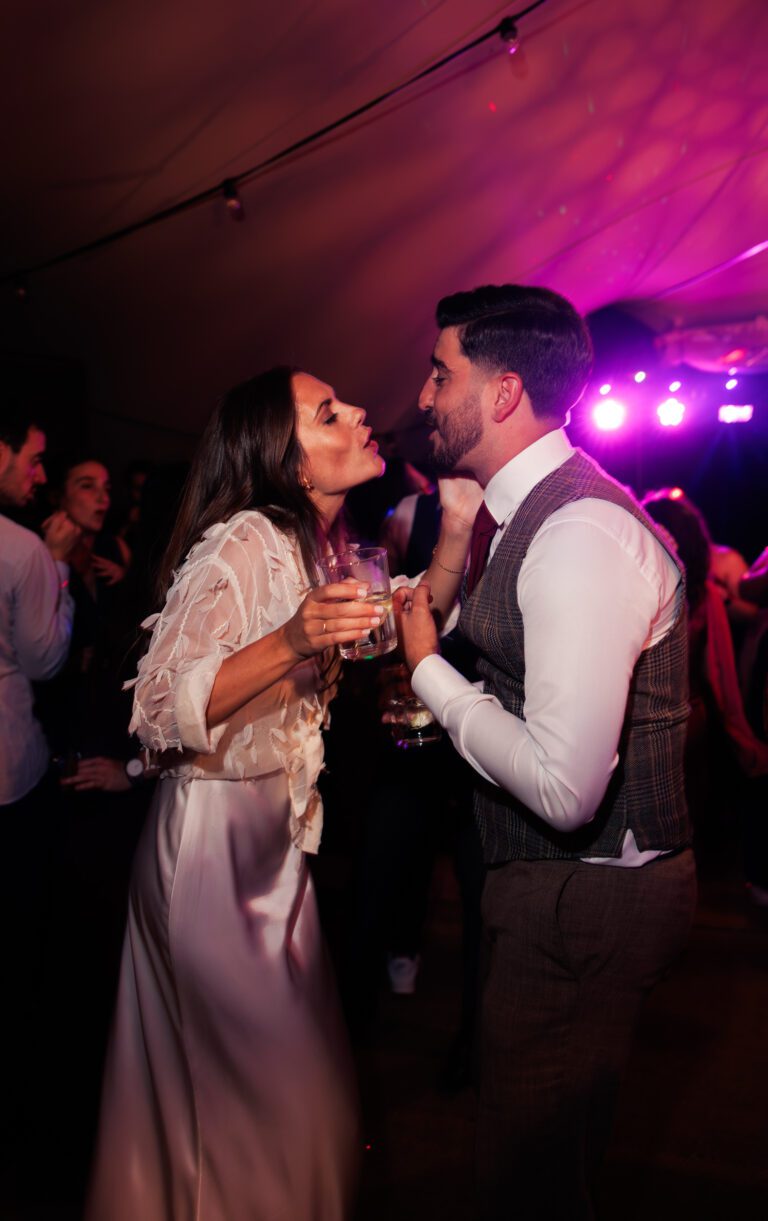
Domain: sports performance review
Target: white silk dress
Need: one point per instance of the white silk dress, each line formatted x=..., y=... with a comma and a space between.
x=228, y=1092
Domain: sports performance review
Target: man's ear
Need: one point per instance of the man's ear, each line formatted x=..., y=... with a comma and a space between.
x=508, y=393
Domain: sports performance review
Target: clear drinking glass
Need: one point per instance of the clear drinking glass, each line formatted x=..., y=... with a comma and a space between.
x=411, y=722
x=365, y=564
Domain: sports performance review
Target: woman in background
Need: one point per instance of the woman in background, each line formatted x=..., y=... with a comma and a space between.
x=228, y=1093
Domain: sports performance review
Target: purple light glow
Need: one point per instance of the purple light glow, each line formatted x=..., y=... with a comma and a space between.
x=735, y=413
x=731, y=383
x=670, y=413
x=609, y=415
x=674, y=387
x=605, y=388
x=640, y=376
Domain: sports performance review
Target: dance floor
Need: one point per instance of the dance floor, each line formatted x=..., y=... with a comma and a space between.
x=690, y=1140
x=691, y=1134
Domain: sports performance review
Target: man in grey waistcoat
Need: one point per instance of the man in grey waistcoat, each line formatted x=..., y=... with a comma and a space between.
x=576, y=608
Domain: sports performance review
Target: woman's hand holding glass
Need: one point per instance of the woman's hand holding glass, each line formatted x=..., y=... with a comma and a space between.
x=331, y=615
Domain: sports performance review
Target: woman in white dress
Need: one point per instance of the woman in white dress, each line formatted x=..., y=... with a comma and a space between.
x=228, y=1092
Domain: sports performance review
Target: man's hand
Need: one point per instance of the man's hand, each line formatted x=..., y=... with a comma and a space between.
x=415, y=625
x=98, y=773
x=60, y=535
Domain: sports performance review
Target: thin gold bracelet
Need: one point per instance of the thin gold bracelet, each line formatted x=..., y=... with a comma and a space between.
x=455, y=572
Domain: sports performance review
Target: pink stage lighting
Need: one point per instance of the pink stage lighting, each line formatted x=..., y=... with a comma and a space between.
x=674, y=387
x=605, y=388
x=640, y=376
x=735, y=413
x=671, y=413
x=676, y=493
x=732, y=383
x=609, y=415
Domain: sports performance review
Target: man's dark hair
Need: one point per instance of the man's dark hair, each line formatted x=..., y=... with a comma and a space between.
x=687, y=525
x=16, y=419
x=530, y=331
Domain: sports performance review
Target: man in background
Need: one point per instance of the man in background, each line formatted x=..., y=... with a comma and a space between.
x=35, y=625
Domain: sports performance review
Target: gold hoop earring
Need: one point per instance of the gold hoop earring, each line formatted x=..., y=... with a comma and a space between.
x=305, y=484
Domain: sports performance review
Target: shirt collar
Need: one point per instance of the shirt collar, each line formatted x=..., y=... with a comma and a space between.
x=508, y=488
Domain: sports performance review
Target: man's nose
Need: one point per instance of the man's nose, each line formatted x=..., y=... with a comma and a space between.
x=427, y=395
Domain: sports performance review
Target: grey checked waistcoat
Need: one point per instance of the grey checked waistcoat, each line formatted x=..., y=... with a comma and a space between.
x=645, y=793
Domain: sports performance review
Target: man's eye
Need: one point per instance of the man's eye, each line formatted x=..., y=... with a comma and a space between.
x=437, y=380
x=332, y=418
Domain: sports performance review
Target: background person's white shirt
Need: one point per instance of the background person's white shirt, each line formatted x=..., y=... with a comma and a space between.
x=595, y=589
x=36, y=612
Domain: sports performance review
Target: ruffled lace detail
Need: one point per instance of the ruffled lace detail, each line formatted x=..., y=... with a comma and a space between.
x=240, y=582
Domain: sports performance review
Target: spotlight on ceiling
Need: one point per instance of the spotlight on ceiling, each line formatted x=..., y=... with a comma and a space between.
x=609, y=415
x=605, y=388
x=671, y=413
x=676, y=493
x=674, y=387
x=735, y=413
x=640, y=376
x=732, y=383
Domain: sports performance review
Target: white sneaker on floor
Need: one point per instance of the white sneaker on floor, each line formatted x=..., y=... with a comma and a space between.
x=402, y=971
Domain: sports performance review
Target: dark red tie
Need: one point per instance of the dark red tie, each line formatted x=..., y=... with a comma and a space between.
x=483, y=530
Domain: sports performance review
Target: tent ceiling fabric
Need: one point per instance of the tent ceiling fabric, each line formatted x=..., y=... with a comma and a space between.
x=623, y=150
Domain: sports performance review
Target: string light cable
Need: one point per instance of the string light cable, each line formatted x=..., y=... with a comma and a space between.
x=506, y=29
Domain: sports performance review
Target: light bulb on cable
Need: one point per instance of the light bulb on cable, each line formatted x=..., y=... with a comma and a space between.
x=509, y=35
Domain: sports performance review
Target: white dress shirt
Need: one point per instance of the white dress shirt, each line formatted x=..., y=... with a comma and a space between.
x=595, y=589
x=36, y=612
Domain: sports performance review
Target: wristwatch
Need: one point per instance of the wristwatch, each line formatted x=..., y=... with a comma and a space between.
x=134, y=770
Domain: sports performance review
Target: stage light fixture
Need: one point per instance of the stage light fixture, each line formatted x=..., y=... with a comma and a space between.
x=640, y=376
x=732, y=383
x=609, y=415
x=674, y=387
x=671, y=413
x=605, y=388
x=735, y=413
x=676, y=493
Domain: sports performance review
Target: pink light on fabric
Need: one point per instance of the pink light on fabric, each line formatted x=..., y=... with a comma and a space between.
x=735, y=413
x=609, y=415
x=671, y=413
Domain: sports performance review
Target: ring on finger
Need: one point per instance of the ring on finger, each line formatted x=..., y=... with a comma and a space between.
x=323, y=631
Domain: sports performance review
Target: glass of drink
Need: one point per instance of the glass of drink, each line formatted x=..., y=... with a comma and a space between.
x=367, y=564
x=411, y=722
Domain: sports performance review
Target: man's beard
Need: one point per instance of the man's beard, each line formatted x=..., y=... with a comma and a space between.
x=460, y=433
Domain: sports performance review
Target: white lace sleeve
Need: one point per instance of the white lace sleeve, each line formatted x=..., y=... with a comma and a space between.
x=218, y=602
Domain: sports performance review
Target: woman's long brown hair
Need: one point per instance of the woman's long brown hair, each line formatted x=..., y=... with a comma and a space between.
x=249, y=457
